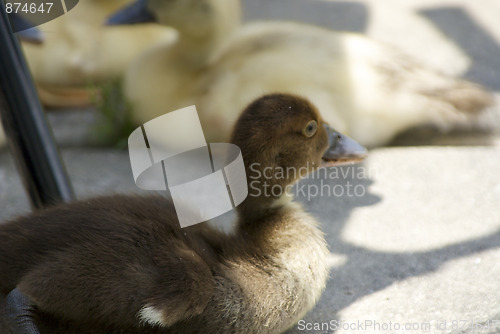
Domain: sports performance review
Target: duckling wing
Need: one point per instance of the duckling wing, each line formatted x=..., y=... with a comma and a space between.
x=121, y=292
x=133, y=269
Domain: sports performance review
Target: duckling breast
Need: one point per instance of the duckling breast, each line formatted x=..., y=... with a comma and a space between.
x=269, y=293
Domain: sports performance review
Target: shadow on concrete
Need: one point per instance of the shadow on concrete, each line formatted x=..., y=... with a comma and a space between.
x=367, y=271
x=343, y=16
x=433, y=136
x=473, y=39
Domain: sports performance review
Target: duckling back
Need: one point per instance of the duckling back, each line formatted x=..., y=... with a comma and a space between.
x=367, y=89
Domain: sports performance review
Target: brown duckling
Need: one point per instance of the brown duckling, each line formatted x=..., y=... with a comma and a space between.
x=122, y=264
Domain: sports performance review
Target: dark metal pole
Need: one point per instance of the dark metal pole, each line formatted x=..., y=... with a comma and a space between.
x=26, y=126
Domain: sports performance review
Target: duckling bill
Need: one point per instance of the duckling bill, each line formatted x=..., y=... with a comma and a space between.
x=122, y=264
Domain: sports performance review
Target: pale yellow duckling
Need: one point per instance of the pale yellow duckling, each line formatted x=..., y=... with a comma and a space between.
x=166, y=77
x=369, y=90
x=79, y=50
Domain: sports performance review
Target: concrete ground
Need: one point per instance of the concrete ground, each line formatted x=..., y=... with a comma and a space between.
x=415, y=230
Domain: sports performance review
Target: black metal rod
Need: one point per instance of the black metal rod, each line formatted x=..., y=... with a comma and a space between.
x=26, y=126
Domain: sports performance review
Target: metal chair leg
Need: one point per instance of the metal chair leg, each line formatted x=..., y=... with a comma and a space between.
x=26, y=126
x=34, y=150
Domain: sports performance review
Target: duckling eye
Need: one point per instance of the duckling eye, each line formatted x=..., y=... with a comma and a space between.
x=310, y=129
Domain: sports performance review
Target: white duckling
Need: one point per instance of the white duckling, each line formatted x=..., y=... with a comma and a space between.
x=79, y=50
x=370, y=90
x=166, y=77
x=122, y=264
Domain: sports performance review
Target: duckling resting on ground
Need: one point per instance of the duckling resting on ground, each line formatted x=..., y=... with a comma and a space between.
x=122, y=264
x=369, y=90
x=79, y=50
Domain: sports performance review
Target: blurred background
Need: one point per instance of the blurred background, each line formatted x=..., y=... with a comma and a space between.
x=420, y=244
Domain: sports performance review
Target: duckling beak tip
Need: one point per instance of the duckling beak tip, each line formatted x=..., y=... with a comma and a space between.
x=342, y=150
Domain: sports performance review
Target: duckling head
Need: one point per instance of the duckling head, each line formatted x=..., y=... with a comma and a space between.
x=283, y=138
x=196, y=18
